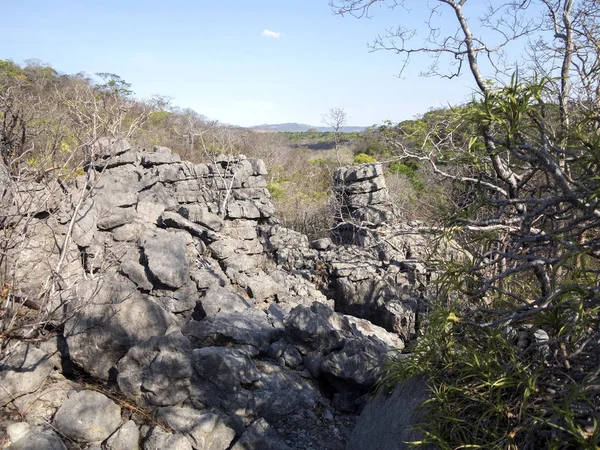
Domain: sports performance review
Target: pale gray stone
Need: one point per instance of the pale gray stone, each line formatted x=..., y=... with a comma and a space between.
x=23, y=371
x=125, y=438
x=351, y=174
x=388, y=422
x=17, y=430
x=88, y=416
x=115, y=218
x=205, y=430
x=38, y=440
x=129, y=232
x=217, y=299
x=321, y=244
x=41, y=405
x=157, y=372
x=136, y=273
x=84, y=226
x=158, y=439
x=149, y=211
x=115, y=318
x=251, y=327
x=182, y=300
x=174, y=220
x=155, y=158
x=201, y=215
x=165, y=253
x=262, y=287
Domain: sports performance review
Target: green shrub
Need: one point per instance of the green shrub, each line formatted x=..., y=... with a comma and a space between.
x=277, y=191
x=363, y=158
x=409, y=170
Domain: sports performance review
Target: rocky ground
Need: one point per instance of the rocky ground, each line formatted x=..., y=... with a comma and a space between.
x=186, y=317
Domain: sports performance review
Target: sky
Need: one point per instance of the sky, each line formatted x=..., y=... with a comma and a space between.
x=241, y=62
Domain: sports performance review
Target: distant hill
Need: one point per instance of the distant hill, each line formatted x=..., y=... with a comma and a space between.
x=299, y=127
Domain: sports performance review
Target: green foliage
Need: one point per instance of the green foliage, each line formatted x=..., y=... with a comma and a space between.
x=363, y=158
x=493, y=384
x=409, y=169
x=480, y=384
x=114, y=84
x=277, y=191
x=10, y=69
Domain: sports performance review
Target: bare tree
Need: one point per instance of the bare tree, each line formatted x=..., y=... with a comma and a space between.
x=336, y=118
x=191, y=125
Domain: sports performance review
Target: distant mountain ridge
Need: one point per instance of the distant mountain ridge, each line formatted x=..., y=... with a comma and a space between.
x=299, y=127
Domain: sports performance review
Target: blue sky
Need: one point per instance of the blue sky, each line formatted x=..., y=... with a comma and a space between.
x=215, y=56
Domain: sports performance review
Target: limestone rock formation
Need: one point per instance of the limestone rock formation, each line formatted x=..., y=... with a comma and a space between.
x=178, y=286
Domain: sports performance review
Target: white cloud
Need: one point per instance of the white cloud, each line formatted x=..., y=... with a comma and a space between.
x=143, y=58
x=272, y=34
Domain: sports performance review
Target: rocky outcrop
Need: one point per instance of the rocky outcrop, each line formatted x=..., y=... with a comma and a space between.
x=182, y=290
x=364, y=204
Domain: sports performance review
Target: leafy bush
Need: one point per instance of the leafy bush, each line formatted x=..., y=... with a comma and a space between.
x=511, y=346
x=277, y=191
x=363, y=158
x=409, y=170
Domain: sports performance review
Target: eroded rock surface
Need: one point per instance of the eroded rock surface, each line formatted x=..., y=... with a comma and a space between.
x=230, y=330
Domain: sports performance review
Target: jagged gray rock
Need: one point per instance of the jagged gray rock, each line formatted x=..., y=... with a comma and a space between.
x=114, y=318
x=165, y=253
x=158, y=439
x=125, y=438
x=281, y=391
x=157, y=372
x=307, y=327
x=219, y=373
x=164, y=246
x=251, y=327
x=217, y=299
x=204, y=430
x=260, y=436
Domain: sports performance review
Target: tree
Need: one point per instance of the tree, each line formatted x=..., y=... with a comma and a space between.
x=516, y=328
x=336, y=118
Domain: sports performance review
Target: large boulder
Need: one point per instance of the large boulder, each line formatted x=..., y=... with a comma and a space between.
x=281, y=391
x=358, y=363
x=251, y=327
x=219, y=299
x=219, y=374
x=114, y=318
x=158, y=371
x=307, y=327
